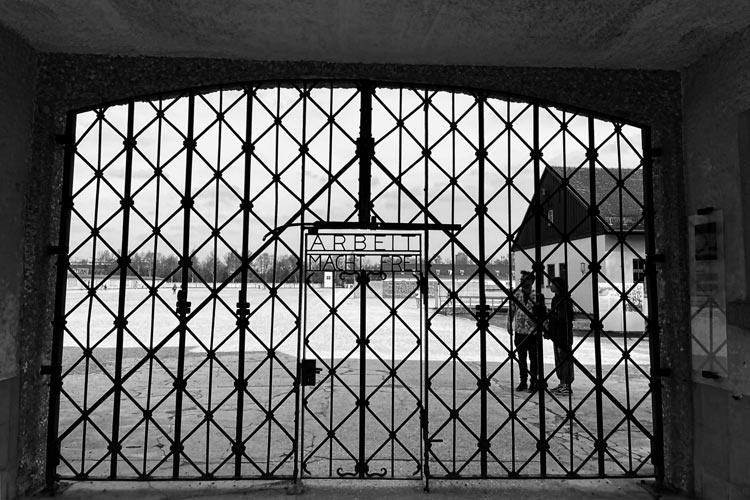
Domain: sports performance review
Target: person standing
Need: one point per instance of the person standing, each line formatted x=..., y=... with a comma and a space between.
x=560, y=331
x=522, y=326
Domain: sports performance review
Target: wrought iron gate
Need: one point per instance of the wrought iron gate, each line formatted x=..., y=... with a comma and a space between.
x=187, y=317
x=364, y=413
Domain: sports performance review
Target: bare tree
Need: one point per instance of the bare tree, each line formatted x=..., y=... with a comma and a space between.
x=262, y=265
x=231, y=264
x=461, y=258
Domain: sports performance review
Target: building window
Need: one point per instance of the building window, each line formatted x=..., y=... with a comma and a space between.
x=461, y=272
x=563, y=271
x=437, y=272
x=550, y=217
x=639, y=270
x=550, y=273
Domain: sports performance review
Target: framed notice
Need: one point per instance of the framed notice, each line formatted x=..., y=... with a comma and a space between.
x=708, y=323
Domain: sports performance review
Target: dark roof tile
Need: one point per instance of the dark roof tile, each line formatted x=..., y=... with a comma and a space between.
x=607, y=193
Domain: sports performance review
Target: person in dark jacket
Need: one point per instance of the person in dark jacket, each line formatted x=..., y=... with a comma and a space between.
x=560, y=331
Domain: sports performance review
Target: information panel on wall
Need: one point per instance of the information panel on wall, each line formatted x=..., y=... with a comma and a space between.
x=708, y=325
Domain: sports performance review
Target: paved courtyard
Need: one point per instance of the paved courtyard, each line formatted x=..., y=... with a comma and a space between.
x=528, y=434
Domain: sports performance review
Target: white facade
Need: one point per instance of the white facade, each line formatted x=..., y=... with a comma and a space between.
x=617, y=267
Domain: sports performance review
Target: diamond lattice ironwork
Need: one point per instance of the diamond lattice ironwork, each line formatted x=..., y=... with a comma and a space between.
x=186, y=303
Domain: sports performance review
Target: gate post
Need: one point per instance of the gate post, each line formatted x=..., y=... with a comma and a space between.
x=58, y=325
x=657, y=445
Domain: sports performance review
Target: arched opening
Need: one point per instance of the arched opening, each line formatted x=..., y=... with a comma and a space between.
x=223, y=245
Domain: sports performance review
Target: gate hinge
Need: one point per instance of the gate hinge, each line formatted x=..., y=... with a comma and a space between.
x=64, y=139
x=657, y=258
x=51, y=370
x=57, y=250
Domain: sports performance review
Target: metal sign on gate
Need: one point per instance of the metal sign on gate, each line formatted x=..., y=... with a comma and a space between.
x=387, y=252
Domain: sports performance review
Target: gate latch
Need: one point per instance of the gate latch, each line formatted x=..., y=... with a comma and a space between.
x=308, y=371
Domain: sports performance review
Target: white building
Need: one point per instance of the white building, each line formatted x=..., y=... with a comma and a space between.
x=569, y=237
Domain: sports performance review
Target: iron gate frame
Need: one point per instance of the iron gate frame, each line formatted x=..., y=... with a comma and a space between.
x=365, y=156
x=363, y=278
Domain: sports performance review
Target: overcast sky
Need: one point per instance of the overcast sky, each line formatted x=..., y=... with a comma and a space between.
x=331, y=147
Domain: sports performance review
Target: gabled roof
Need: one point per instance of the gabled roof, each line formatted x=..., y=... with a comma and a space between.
x=566, y=192
x=607, y=192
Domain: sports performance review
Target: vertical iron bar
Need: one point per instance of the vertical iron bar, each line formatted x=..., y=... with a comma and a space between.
x=424, y=374
x=424, y=331
x=271, y=353
x=332, y=411
x=482, y=316
x=329, y=169
x=454, y=403
x=92, y=283
x=365, y=151
x=510, y=324
x=538, y=268
x=567, y=273
x=621, y=230
x=58, y=325
x=183, y=306
x=124, y=263
x=657, y=446
x=212, y=330
x=242, y=304
x=392, y=367
x=154, y=301
x=401, y=148
x=302, y=406
x=454, y=361
x=597, y=327
x=300, y=274
x=364, y=278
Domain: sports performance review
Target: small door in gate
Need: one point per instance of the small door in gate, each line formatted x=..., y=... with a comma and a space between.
x=363, y=322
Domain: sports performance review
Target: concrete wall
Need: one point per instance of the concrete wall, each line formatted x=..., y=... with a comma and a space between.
x=71, y=81
x=717, y=156
x=17, y=81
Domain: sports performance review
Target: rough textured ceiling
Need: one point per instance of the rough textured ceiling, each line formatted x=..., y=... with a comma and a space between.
x=649, y=34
